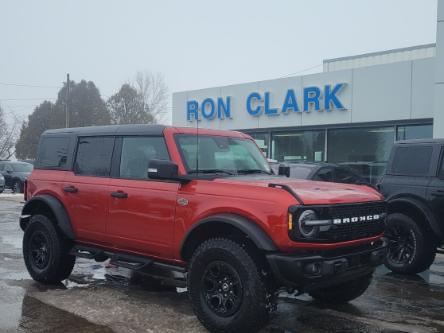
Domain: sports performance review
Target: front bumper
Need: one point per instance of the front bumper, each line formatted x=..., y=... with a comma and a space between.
x=312, y=271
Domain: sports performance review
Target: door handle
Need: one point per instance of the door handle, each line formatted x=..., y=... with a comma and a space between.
x=119, y=195
x=70, y=189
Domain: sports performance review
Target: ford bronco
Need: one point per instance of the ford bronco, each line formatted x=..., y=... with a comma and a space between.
x=414, y=187
x=199, y=209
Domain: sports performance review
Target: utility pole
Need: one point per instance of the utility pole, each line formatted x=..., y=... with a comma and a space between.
x=66, y=102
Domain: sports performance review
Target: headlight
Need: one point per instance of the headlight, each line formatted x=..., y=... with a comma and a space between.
x=307, y=230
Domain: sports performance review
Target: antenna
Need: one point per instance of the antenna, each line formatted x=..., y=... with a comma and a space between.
x=197, y=143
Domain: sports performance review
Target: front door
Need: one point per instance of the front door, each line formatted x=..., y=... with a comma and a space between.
x=141, y=211
x=86, y=189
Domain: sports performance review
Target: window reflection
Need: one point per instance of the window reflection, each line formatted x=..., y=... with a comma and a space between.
x=365, y=150
x=299, y=146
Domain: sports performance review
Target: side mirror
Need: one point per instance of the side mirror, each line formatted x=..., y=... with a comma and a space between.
x=8, y=171
x=164, y=170
x=284, y=170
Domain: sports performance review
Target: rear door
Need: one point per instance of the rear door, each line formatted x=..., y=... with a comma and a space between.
x=435, y=192
x=410, y=171
x=141, y=210
x=86, y=189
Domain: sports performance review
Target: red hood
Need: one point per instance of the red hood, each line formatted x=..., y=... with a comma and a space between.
x=314, y=192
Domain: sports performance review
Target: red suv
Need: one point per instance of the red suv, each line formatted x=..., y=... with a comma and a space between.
x=201, y=209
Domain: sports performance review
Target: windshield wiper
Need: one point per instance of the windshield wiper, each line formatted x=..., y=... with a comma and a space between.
x=207, y=171
x=251, y=171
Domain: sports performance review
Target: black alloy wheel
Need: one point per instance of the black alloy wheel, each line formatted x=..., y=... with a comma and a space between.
x=412, y=246
x=401, y=246
x=39, y=250
x=223, y=289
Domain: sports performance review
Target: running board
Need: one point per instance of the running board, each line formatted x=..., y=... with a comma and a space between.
x=125, y=260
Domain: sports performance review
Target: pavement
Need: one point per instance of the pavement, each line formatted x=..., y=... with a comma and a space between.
x=101, y=299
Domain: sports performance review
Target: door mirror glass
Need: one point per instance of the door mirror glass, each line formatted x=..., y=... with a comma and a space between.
x=162, y=169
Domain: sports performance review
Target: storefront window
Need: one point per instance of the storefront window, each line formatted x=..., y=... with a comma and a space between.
x=414, y=132
x=366, y=150
x=299, y=146
x=262, y=140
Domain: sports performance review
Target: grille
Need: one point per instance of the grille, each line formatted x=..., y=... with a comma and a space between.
x=354, y=230
x=345, y=231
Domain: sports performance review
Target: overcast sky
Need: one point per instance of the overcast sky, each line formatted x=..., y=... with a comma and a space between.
x=194, y=43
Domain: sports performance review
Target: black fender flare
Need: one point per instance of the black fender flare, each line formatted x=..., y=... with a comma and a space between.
x=55, y=206
x=430, y=218
x=254, y=232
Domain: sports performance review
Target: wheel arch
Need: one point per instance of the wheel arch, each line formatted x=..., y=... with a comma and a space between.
x=47, y=205
x=417, y=210
x=225, y=225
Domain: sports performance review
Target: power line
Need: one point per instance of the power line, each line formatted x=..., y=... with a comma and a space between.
x=28, y=85
x=303, y=70
x=27, y=99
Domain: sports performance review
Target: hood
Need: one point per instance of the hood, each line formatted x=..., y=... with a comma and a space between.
x=313, y=192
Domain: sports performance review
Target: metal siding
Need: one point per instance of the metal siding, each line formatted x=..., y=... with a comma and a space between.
x=422, y=88
x=382, y=92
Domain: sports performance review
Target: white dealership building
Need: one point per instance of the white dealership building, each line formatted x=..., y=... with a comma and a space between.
x=350, y=113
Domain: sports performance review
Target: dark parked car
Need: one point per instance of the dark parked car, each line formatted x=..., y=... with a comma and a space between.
x=15, y=174
x=414, y=188
x=326, y=172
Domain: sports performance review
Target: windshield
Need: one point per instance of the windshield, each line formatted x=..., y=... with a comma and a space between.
x=222, y=155
x=21, y=167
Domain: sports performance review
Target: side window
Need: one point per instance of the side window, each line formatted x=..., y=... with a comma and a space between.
x=345, y=176
x=94, y=156
x=412, y=161
x=53, y=152
x=136, y=154
x=441, y=167
x=2, y=166
x=324, y=174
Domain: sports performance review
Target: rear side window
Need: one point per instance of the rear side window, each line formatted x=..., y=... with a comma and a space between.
x=53, y=153
x=93, y=156
x=136, y=154
x=412, y=161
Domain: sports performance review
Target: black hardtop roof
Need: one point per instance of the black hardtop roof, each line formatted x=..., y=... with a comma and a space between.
x=420, y=141
x=136, y=129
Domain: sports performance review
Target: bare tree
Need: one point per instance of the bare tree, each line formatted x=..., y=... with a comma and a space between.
x=154, y=93
x=8, y=135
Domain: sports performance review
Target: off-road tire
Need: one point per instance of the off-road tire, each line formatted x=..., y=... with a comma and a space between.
x=342, y=293
x=422, y=240
x=252, y=312
x=59, y=263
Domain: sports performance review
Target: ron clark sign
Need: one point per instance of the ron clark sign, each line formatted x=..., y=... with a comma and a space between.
x=256, y=104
